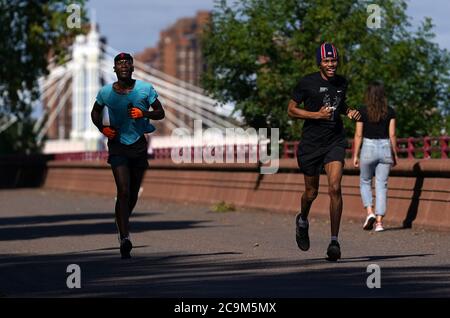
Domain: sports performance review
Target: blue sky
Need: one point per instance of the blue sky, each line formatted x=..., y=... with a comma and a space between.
x=135, y=24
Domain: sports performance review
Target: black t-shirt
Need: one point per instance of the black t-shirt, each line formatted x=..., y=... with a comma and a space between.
x=379, y=130
x=314, y=92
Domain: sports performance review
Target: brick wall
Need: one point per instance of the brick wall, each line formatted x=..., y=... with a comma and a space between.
x=419, y=190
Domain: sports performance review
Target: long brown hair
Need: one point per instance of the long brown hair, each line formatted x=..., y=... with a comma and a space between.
x=376, y=102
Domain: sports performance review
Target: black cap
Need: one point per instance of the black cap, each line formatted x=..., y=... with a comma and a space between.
x=123, y=56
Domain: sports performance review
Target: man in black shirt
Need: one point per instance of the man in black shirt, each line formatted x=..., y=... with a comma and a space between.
x=323, y=143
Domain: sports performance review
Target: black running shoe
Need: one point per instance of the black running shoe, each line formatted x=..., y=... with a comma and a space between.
x=301, y=235
x=125, y=248
x=334, y=251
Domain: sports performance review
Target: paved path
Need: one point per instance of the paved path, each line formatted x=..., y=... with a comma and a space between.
x=188, y=251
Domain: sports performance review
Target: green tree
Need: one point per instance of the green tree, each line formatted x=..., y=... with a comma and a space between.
x=31, y=31
x=257, y=50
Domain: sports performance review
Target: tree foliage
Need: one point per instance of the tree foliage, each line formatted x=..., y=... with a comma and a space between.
x=31, y=31
x=257, y=50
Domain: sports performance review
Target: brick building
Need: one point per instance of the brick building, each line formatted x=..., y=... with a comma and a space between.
x=178, y=52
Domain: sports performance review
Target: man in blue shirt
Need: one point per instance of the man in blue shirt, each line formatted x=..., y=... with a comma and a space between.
x=128, y=102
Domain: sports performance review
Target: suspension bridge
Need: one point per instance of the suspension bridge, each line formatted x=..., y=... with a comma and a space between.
x=69, y=91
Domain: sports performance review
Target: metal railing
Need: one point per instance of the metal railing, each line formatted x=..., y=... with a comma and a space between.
x=410, y=148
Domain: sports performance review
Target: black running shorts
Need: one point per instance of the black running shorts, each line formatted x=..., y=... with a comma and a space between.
x=312, y=162
x=133, y=162
x=134, y=155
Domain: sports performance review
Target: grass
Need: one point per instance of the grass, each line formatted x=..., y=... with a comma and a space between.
x=222, y=206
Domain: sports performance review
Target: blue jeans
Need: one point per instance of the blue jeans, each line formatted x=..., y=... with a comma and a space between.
x=375, y=160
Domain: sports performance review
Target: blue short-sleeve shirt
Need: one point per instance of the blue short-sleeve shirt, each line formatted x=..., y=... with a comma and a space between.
x=129, y=129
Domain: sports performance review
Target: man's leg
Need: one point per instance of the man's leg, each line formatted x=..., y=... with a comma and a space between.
x=122, y=177
x=301, y=221
x=334, y=172
x=136, y=176
x=310, y=194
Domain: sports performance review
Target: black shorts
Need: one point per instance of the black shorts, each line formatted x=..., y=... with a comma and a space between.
x=120, y=160
x=134, y=155
x=311, y=163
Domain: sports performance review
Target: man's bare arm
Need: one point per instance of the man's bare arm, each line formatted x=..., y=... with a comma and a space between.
x=296, y=112
x=96, y=115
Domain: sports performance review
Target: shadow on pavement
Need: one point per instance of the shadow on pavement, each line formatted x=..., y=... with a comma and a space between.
x=210, y=276
x=39, y=219
x=397, y=228
x=372, y=258
x=31, y=230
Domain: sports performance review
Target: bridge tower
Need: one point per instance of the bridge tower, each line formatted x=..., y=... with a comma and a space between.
x=85, y=86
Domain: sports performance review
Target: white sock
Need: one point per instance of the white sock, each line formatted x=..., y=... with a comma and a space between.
x=334, y=238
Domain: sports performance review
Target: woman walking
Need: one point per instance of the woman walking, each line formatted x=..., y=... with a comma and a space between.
x=376, y=132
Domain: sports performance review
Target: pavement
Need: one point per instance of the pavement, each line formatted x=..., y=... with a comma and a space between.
x=187, y=250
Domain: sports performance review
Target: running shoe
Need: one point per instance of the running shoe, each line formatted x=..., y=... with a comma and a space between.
x=333, y=251
x=125, y=248
x=370, y=220
x=301, y=234
x=379, y=227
